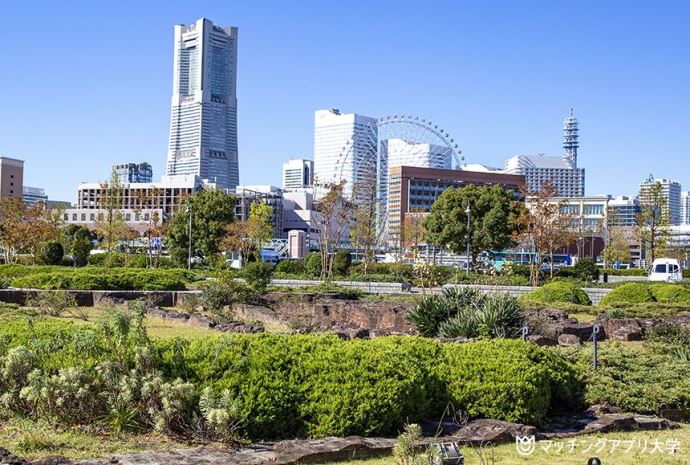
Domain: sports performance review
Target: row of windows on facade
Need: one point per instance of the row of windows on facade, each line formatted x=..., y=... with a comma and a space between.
x=101, y=217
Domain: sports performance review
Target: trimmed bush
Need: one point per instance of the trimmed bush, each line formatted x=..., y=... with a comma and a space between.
x=90, y=278
x=626, y=272
x=587, y=270
x=342, y=261
x=294, y=267
x=670, y=293
x=556, y=292
x=627, y=294
x=53, y=253
x=258, y=275
x=312, y=264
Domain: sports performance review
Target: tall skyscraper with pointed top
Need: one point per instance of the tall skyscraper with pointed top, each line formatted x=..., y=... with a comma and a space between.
x=203, y=121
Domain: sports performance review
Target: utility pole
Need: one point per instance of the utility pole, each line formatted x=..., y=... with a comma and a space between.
x=467, y=211
x=189, y=252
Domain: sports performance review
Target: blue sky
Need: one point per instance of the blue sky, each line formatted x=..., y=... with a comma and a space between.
x=88, y=84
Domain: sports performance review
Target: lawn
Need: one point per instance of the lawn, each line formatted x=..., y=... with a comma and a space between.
x=35, y=439
x=508, y=455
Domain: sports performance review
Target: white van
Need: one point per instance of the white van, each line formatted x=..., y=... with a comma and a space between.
x=666, y=269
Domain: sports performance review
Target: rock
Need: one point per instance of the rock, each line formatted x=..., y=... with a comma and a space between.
x=569, y=340
x=582, y=331
x=57, y=460
x=239, y=327
x=359, y=333
x=611, y=422
x=676, y=414
x=493, y=431
x=542, y=340
x=203, y=321
x=8, y=458
x=648, y=423
x=597, y=410
x=628, y=333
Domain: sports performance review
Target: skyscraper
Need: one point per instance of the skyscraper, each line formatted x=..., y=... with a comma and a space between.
x=298, y=174
x=345, y=148
x=670, y=190
x=203, y=121
x=133, y=172
x=685, y=207
x=11, y=178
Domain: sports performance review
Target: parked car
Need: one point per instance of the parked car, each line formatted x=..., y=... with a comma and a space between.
x=666, y=269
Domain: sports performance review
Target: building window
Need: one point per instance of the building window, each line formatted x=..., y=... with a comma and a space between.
x=83, y=216
x=74, y=217
x=65, y=217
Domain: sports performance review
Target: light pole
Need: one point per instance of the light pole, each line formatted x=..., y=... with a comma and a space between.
x=189, y=252
x=467, y=211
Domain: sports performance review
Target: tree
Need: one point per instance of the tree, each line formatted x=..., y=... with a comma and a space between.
x=653, y=219
x=493, y=219
x=413, y=233
x=544, y=226
x=24, y=228
x=617, y=249
x=335, y=213
x=53, y=253
x=211, y=211
x=366, y=231
x=76, y=241
x=247, y=237
x=111, y=226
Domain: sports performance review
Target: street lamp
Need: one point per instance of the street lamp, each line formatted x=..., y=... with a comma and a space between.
x=467, y=212
x=189, y=252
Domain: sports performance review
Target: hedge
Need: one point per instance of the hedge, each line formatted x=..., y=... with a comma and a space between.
x=628, y=293
x=670, y=293
x=625, y=272
x=556, y=292
x=91, y=278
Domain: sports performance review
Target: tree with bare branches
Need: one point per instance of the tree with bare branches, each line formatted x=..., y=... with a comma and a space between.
x=335, y=213
x=544, y=226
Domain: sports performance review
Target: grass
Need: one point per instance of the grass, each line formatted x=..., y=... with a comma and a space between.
x=35, y=439
x=507, y=455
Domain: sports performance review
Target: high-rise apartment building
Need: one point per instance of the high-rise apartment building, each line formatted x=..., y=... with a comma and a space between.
x=561, y=172
x=622, y=211
x=345, y=148
x=685, y=207
x=11, y=178
x=670, y=190
x=203, y=122
x=298, y=174
x=133, y=172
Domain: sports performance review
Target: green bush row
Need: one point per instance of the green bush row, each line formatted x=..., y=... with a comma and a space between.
x=641, y=293
x=92, y=278
x=120, y=260
x=556, y=292
x=295, y=386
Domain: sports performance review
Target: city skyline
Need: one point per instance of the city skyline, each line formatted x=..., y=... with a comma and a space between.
x=504, y=91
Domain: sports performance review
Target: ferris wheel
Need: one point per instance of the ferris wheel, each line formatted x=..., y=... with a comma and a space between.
x=390, y=141
x=369, y=146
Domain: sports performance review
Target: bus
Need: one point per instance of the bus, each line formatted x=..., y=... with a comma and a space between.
x=498, y=259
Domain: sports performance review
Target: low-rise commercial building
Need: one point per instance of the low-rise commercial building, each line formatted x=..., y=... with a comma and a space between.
x=414, y=190
x=11, y=178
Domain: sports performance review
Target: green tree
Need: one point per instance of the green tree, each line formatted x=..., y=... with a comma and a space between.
x=493, y=219
x=76, y=241
x=211, y=211
x=111, y=226
x=617, y=248
x=247, y=237
x=53, y=252
x=653, y=219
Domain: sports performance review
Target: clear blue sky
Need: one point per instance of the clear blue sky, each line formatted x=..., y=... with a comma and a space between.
x=88, y=84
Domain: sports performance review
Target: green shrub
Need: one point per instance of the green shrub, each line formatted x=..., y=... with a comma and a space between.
x=625, y=272
x=556, y=292
x=294, y=267
x=53, y=253
x=258, y=275
x=636, y=380
x=628, y=293
x=91, y=278
x=466, y=312
x=670, y=293
x=312, y=264
x=4, y=282
x=669, y=333
x=587, y=270
x=342, y=261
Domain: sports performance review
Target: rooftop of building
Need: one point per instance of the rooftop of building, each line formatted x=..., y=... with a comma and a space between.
x=536, y=161
x=441, y=174
x=11, y=161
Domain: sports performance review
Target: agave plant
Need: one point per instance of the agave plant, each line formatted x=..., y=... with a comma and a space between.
x=428, y=314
